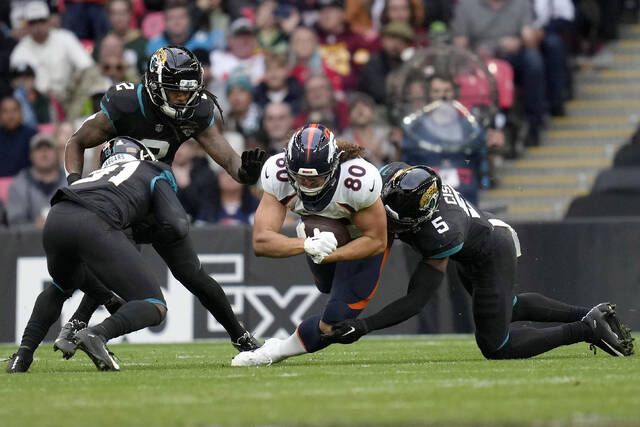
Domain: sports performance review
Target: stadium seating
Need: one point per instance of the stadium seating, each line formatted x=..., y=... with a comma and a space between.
x=605, y=205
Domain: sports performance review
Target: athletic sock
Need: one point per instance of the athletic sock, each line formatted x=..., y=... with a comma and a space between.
x=311, y=335
x=291, y=346
x=535, y=307
x=527, y=342
x=132, y=316
x=46, y=312
x=85, y=310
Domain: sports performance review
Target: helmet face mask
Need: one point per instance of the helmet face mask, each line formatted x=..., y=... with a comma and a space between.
x=312, y=159
x=173, y=71
x=411, y=197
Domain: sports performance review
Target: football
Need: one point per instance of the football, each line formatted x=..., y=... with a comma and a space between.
x=336, y=226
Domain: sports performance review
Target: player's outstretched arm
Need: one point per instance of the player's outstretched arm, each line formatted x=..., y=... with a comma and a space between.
x=267, y=240
x=172, y=223
x=219, y=149
x=95, y=130
x=372, y=221
x=424, y=282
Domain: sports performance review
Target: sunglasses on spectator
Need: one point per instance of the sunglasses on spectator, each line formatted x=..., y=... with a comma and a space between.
x=37, y=21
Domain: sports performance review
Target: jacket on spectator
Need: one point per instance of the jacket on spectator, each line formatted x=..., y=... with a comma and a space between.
x=292, y=95
x=14, y=146
x=29, y=198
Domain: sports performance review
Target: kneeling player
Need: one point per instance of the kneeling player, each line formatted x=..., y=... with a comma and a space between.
x=317, y=176
x=83, y=236
x=437, y=222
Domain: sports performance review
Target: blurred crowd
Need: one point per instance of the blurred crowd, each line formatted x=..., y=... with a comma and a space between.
x=274, y=65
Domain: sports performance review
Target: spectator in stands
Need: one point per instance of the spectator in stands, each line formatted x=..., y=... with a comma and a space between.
x=6, y=47
x=242, y=54
x=322, y=105
x=135, y=44
x=396, y=38
x=113, y=64
x=87, y=19
x=56, y=55
x=306, y=59
x=3, y=215
x=277, y=125
x=211, y=17
x=36, y=107
x=343, y=50
x=63, y=131
x=410, y=12
x=270, y=36
x=278, y=86
x=244, y=114
x=554, y=20
x=179, y=30
x=233, y=203
x=365, y=131
x=33, y=187
x=196, y=181
x=14, y=138
x=500, y=28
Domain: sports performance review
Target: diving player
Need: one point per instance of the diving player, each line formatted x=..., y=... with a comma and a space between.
x=441, y=225
x=317, y=176
x=169, y=107
x=84, y=235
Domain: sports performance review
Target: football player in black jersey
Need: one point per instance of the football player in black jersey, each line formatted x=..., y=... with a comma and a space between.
x=441, y=225
x=83, y=235
x=168, y=108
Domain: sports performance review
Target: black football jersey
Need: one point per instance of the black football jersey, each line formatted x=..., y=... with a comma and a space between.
x=132, y=113
x=457, y=230
x=122, y=193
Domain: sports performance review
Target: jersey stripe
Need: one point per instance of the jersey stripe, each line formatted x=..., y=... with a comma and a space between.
x=139, y=93
x=448, y=252
x=165, y=176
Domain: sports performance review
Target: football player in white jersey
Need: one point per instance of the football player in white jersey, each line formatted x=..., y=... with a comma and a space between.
x=315, y=175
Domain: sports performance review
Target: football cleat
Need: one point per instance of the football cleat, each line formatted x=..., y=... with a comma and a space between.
x=94, y=345
x=246, y=342
x=609, y=335
x=18, y=363
x=266, y=355
x=64, y=341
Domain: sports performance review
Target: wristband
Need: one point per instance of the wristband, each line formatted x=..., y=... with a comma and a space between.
x=73, y=177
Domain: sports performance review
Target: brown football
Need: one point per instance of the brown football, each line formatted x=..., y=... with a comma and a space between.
x=336, y=226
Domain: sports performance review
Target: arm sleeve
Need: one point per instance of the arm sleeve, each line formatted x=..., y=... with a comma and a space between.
x=171, y=221
x=423, y=283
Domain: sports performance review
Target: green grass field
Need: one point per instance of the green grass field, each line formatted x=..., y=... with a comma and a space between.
x=391, y=382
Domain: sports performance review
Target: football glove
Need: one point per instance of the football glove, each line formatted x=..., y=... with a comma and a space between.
x=251, y=166
x=346, y=332
x=320, y=245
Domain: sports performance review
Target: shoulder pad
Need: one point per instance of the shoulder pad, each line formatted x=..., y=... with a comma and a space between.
x=360, y=183
x=274, y=179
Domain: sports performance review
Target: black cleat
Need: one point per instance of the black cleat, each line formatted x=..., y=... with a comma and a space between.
x=18, y=363
x=94, y=345
x=609, y=334
x=246, y=343
x=64, y=341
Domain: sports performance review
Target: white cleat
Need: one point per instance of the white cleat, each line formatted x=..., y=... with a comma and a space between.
x=266, y=355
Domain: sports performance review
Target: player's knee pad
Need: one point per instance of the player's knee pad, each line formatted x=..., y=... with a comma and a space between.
x=160, y=309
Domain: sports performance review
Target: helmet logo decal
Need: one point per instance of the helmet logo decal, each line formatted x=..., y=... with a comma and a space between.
x=162, y=56
x=428, y=196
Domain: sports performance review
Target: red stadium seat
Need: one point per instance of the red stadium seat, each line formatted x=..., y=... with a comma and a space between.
x=5, y=183
x=503, y=74
x=88, y=45
x=153, y=24
x=46, y=128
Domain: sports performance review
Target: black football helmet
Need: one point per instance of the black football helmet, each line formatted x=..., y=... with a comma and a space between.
x=410, y=195
x=174, y=68
x=123, y=148
x=312, y=159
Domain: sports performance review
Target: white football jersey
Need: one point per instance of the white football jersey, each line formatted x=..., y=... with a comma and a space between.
x=359, y=186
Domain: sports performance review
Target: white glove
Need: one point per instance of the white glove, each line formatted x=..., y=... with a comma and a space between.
x=321, y=245
x=300, y=231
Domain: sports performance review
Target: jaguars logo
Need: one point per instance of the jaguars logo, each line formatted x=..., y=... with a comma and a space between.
x=157, y=60
x=429, y=197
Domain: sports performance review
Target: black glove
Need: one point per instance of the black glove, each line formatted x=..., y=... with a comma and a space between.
x=346, y=332
x=73, y=177
x=251, y=167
